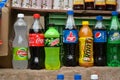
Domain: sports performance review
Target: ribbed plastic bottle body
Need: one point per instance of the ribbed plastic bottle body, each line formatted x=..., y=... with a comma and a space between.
x=20, y=45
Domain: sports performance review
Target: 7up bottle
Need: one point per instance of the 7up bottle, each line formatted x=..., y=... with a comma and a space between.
x=20, y=44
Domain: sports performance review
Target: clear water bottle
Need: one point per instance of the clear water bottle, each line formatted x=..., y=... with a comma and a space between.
x=60, y=77
x=20, y=44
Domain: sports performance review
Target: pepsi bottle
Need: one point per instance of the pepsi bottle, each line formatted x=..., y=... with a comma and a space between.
x=100, y=42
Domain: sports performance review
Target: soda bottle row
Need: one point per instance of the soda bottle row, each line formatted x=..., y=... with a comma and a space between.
x=40, y=56
x=85, y=47
x=69, y=4
x=78, y=77
x=95, y=5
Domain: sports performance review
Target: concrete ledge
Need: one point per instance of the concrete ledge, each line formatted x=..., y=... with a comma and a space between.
x=105, y=73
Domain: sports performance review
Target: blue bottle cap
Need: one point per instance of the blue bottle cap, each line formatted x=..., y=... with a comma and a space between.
x=99, y=18
x=77, y=76
x=60, y=76
x=114, y=13
x=2, y=3
x=70, y=12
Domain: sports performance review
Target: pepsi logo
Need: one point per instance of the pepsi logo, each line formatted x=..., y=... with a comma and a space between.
x=97, y=35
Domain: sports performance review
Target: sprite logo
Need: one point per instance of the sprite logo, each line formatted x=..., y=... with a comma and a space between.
x=22, y=52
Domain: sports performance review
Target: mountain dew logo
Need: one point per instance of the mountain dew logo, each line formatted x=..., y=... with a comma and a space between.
x=71, y=37
x=22, y=52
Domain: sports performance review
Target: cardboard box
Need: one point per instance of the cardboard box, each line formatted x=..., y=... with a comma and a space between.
x=4, y=26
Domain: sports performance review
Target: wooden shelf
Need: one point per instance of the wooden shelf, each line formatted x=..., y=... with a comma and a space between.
x=19, y=9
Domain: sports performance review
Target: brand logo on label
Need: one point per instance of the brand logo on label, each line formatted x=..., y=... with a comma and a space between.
x=56, y=41
x=21, y=52
x=88, y=49
x=71, y=37
x=97, y=35
x=115, y=36
x=39, y=41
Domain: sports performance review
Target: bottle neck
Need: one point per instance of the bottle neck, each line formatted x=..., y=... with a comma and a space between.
x=115, y=23
x=70, y=22
x=99, y=25
x=36, y=24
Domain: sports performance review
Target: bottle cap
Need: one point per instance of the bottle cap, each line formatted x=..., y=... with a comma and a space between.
x=36, y=15
x=94, y=76
x=60, y=76
x=70, y=12
x=99, y=18
x=85, y=23
x=20, y=15
x=114, y=13
x=77, y=76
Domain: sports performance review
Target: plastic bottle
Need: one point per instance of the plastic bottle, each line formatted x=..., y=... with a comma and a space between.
x=89, y=4
x=86, y=45
x=78, y=5
x=70, y=42
x=52, y=48
x=77, y=77
x=60, y=77
x=94, y=77
x=111, y=5
x=100, y=43
x=20, y=44
x=113, y=45
x=36, y=44
x=100, y=5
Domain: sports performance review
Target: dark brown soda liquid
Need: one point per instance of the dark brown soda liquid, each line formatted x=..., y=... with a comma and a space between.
x=100, y=7
x=89, y=5
x=78, y=7
x=37, y=54
x=110, y=7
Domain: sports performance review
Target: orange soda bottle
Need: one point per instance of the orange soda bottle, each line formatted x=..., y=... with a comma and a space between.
x=85, y=45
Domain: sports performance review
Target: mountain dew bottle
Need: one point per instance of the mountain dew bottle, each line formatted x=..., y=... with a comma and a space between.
x=52, y=49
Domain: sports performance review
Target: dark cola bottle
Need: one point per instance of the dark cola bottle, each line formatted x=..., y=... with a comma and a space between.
x=100, y=43
x=70, y=42
x=111, y=5
x=89, y=4
x=36, y=44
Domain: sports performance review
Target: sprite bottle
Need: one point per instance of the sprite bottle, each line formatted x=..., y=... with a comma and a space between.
x=113, y=45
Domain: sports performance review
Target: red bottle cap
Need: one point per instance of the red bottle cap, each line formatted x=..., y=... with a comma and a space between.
x=36, y=15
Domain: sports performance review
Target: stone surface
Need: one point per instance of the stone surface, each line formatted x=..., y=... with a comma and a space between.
x=105, y=73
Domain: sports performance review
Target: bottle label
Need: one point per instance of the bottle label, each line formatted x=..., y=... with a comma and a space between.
x=86, y=49
x=99, y=2
x=78, y=2
x=51, y=42
x=100, y=36
x=89, y=0
x=20, y=53
x=114, y=37
x=70, y=36
x=36, y=39
x=113, y=2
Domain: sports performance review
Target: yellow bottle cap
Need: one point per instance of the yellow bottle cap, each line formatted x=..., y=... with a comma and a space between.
x=85, y=23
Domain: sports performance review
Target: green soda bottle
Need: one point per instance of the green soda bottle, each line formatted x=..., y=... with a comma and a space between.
x=52, y=49
x=113, y=45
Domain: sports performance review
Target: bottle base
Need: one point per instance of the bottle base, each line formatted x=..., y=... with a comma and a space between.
x=86, y=64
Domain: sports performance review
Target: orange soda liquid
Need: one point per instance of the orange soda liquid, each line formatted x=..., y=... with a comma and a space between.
x=85, y=45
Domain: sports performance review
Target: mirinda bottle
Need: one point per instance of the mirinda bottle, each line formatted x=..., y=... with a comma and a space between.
x=85, y=45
